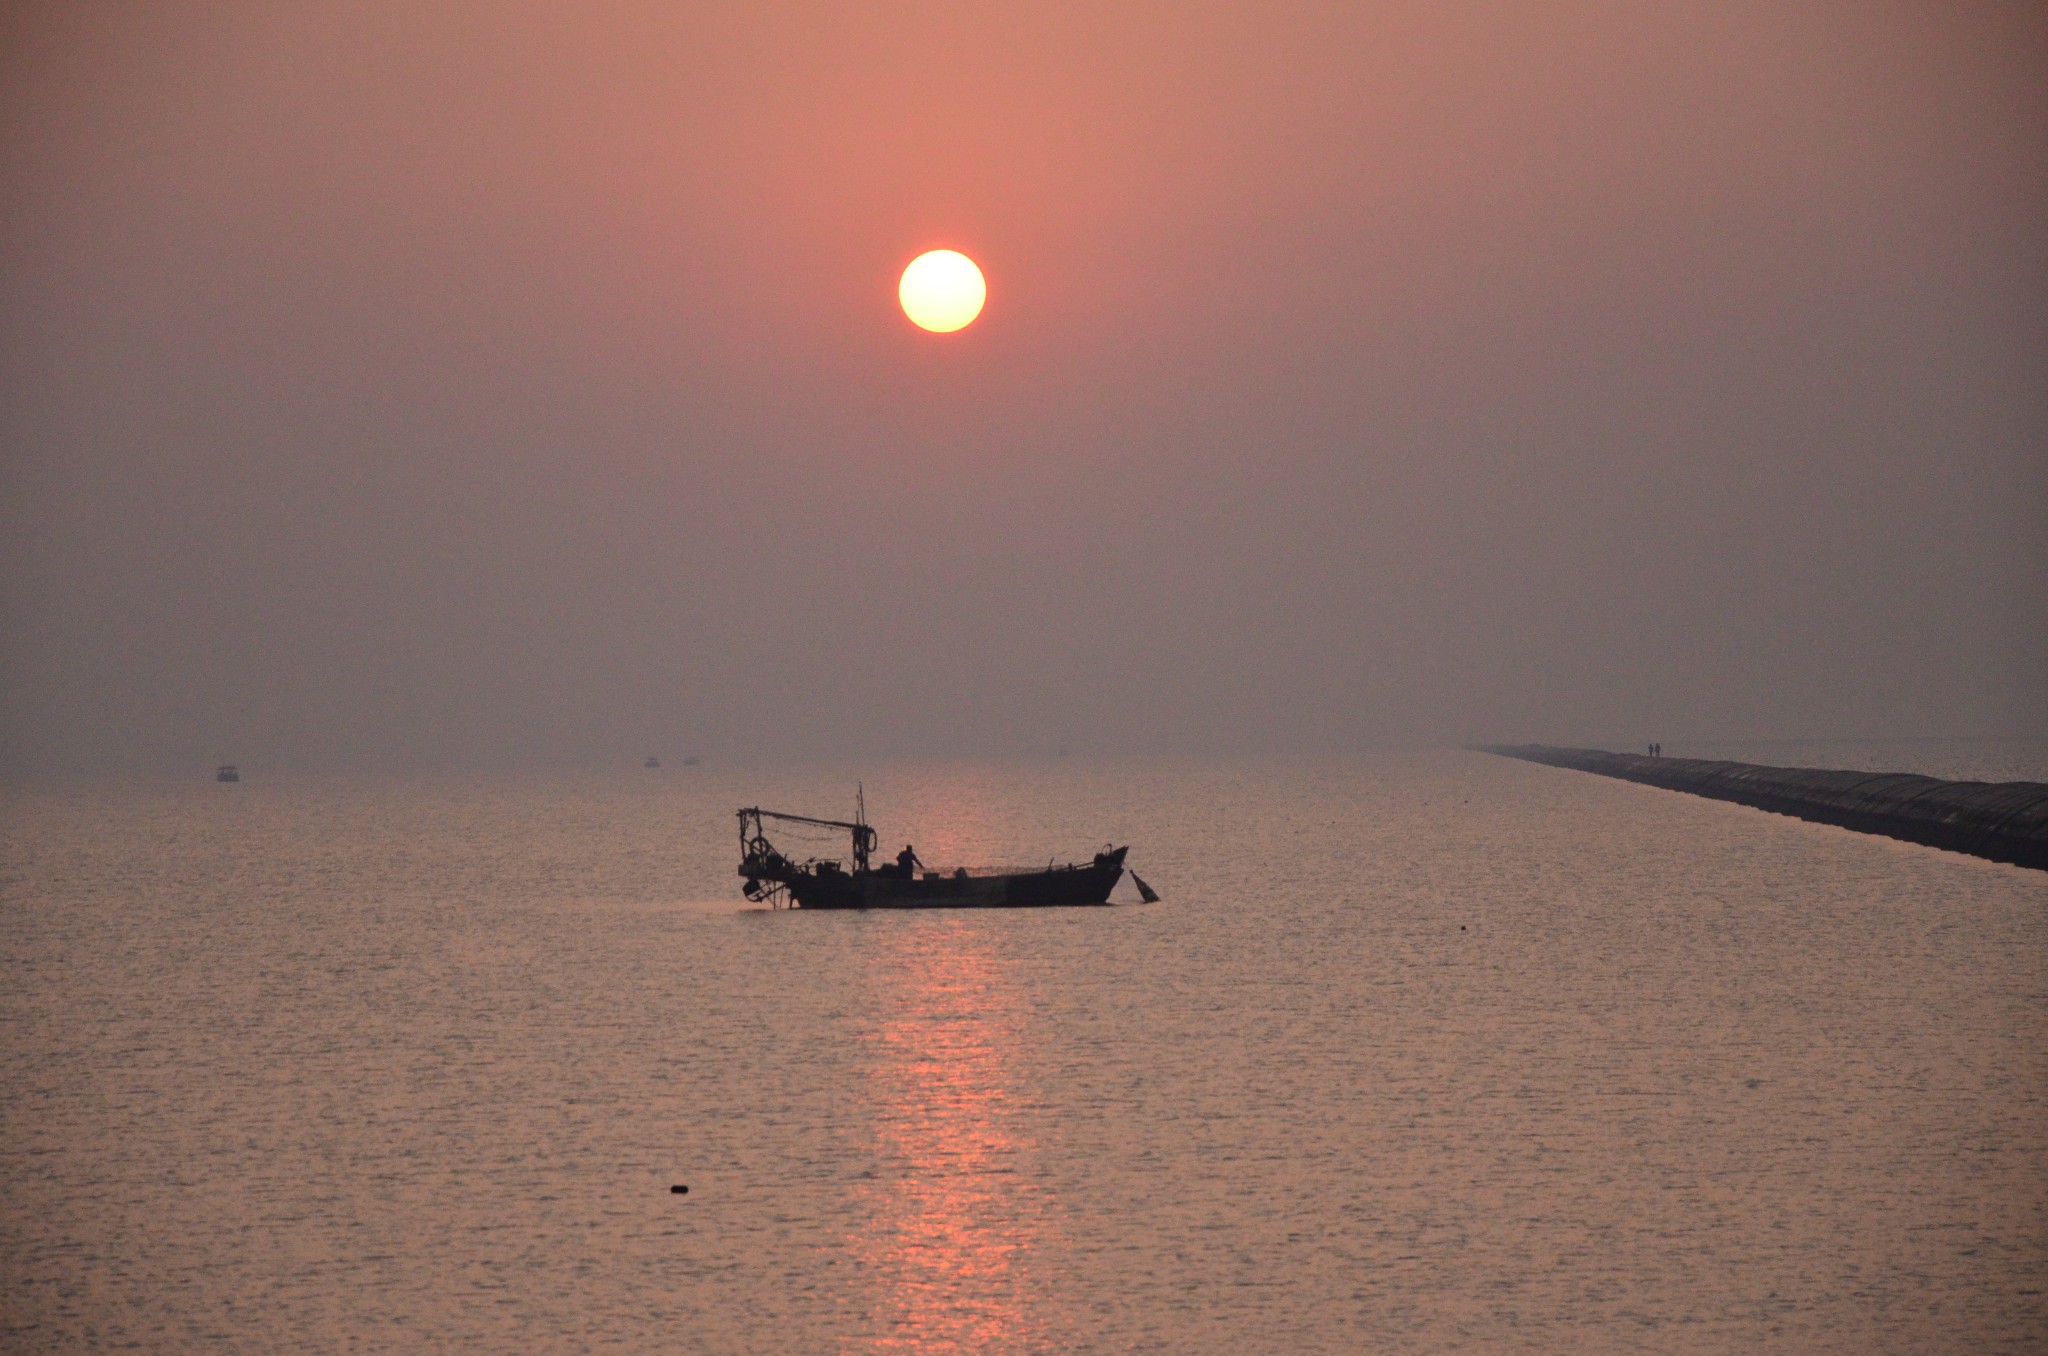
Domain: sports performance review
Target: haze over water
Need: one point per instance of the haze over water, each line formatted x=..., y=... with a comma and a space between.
x=449, y=385
x=1419, y=1052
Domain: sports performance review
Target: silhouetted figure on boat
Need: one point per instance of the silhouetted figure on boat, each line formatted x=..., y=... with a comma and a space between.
x=905, y=867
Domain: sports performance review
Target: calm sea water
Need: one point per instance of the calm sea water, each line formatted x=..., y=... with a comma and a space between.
x=1423, y=1053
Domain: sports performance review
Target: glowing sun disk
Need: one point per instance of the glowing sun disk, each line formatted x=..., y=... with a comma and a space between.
x=942, y=291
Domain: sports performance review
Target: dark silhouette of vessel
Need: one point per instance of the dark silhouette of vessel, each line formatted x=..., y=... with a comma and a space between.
x=227, y=772
x=652, y=762
x=829, y=883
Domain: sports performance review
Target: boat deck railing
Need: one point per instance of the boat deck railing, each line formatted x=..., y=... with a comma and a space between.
x=996, y=870
x=971, y=872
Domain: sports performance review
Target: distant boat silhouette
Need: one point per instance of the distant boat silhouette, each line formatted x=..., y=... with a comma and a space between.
x=652, y=761
x=690, y=761
x=227, y=772
x=824, y=883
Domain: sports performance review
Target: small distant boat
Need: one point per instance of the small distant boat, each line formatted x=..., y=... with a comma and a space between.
x=652, y=761
x=227, y=772
x=906, y=883
x=691, y=761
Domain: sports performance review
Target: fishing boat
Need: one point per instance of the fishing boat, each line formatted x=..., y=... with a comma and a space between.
x=819, y=882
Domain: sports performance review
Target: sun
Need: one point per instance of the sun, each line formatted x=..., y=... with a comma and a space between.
x=942, y=291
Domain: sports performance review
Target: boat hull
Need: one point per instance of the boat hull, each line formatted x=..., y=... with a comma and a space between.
x=1057, y=887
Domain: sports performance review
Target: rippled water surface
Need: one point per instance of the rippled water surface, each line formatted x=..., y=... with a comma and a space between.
x=1427, y=1052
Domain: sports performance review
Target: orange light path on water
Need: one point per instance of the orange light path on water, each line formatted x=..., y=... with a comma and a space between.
x=954, y=1220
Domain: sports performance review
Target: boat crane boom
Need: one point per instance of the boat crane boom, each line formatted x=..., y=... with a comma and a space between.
x=804, y=819
x=756, y=842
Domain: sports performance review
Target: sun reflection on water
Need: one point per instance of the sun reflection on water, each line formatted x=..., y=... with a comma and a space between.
x=954, y=1215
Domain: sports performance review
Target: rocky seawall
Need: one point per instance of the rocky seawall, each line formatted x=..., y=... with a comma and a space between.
x=2004, y=821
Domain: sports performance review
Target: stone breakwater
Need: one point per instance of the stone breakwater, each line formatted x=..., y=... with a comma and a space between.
x=2004, y=821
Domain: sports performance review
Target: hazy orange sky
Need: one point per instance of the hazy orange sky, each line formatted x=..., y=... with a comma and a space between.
x=465, y=384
